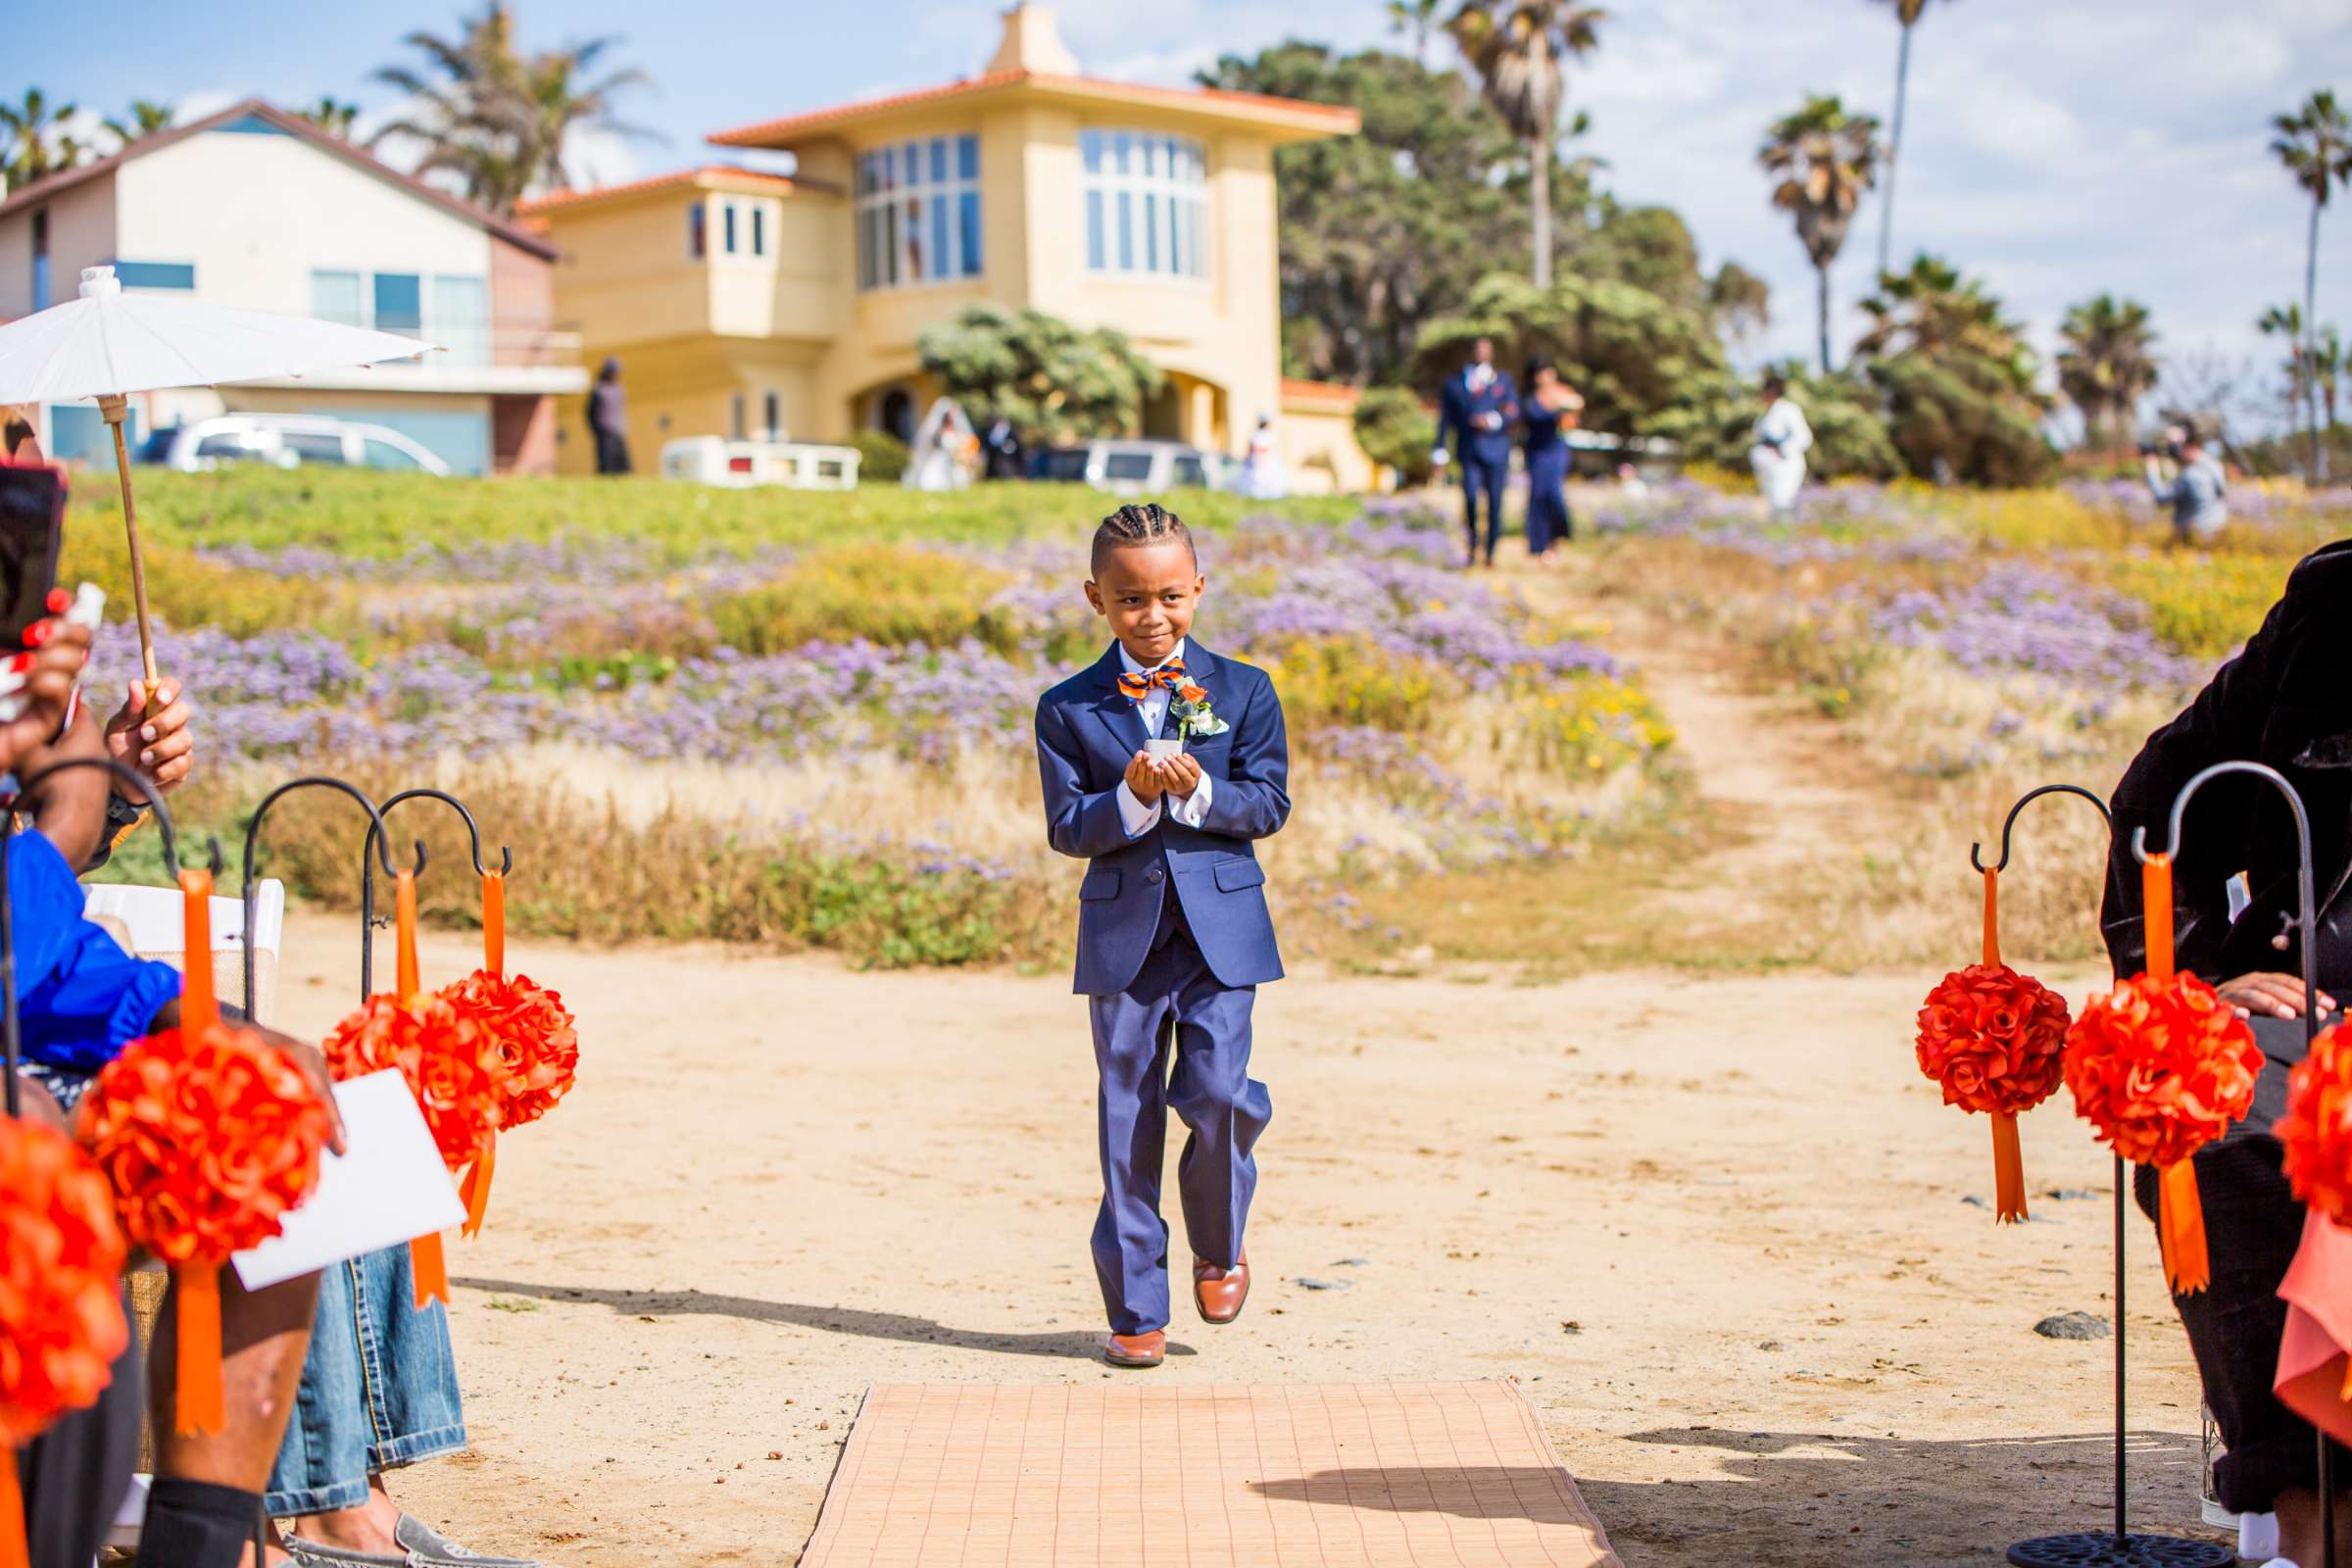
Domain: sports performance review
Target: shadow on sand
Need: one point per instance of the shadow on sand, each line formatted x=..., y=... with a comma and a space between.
x=897, y=1326
x=1810, y=1500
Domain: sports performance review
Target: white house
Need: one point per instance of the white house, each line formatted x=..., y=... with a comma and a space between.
x=255, y=208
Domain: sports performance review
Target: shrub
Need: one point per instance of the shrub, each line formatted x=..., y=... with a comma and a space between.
x=1590, y=725
x=1394, y=428
x=2203, y=606
x=882, y=458
x=187, y=591
x=872, y=593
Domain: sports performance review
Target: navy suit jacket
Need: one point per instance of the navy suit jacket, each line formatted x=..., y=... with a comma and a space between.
x=1087, y=731
x=1458, y=405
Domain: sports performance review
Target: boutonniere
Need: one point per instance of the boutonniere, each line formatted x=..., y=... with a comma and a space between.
x=1191, y=713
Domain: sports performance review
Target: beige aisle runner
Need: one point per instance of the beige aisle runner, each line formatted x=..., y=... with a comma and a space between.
x=1396, y=1475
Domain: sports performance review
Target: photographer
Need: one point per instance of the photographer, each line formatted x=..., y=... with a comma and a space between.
x=2196, y=492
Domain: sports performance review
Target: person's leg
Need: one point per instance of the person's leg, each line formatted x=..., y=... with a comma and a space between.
x=74, y=1475
x=1497, y=475
x=1131, y=1240
x=1225, y=1110
x=1470, y=491
x=207, y=1496
x=379, y=1392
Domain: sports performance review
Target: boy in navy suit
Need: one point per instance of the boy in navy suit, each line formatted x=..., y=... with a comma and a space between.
x=1173, y=934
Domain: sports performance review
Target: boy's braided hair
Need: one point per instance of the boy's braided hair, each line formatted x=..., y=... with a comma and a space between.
x=1140, y=523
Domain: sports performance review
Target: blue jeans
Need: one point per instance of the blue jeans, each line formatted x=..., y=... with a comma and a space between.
x=379, y=1388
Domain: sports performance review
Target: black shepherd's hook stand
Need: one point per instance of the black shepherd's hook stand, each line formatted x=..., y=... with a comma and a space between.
x=368, y=857
x=12, y=1027
x=253, y=835
x=2119, y=1547
x=2308, y=906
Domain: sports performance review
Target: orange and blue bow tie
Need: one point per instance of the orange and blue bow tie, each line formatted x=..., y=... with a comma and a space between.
x=1136, y=684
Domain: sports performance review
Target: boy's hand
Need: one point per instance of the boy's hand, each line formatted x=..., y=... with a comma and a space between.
x=1180, y=776
x=1143, y=778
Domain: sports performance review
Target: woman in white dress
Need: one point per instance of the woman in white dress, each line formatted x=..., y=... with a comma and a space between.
x=1778, y=456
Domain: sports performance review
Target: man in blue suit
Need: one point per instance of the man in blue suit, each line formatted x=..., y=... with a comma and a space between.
x=1477, y=409
x=1173, y=933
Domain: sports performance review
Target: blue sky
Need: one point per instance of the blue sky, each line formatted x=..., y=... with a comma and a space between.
x=2057, y=147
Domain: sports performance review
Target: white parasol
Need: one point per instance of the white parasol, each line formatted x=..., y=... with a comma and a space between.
x=107, y=344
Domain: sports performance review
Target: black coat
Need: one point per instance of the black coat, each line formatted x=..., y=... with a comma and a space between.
x=2285, y=701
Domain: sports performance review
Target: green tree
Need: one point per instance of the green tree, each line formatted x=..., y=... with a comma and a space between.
x=332, y=116
x=1396, y=427
x=1519, y=49
x=2327, y=365
x=1054, y=382
x=34, y=140
x=498, y=118
x=1822, y=159
x=1714, y=422
x=2287, y=321
x=1418, y=17
x=142, y=120
x=2106, y=365
x=1907, y=14
x=2314, y=144
x=1956, y=377
x=1632, y=354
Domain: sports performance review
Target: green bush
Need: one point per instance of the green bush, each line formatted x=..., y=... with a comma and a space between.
x=882, y=458
x=878, y=593
x=1394, y=428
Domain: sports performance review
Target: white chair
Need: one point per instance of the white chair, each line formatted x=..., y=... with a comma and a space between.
x=150, y=923
x=152, y=920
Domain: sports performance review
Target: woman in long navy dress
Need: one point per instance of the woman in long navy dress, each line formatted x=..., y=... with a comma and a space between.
x=1551, y=408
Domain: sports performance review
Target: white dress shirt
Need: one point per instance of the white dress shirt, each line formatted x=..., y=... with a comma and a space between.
x=1138, y=817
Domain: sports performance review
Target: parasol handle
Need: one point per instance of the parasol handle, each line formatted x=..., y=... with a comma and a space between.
x=114, y=408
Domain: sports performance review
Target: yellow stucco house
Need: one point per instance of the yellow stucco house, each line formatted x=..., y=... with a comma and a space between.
x=756, y=305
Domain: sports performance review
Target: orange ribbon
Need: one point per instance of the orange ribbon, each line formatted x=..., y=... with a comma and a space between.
x=494, y=921
x=476, y=1188
x=2008, y=1160
x=424, y=1252
x=2181, y=1212
x=12, y=1512
x=199, y=1407
x=198, y=1402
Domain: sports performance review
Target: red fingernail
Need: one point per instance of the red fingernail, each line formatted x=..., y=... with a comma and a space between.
x=38, y=633
x=58, y=602
x=20, y=663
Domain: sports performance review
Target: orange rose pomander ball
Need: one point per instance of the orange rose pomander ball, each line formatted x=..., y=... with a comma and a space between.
x=537, y=1052
x=2317, y=1129
x=61, y=1301
x=1994, y=1041
x=449, y=1062
x=2161, y=1065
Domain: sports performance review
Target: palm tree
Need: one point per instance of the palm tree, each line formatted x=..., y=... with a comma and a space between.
x=1907, y=12
x=333, y=118
x=2287, y=321
x=1418, y=17
x=33, y=143
x=2315, y=143
x=2327, y=365
x=497, y=119
x=1825, y=159
x=1519, y=49
x=143, y=120
x=2104, y=364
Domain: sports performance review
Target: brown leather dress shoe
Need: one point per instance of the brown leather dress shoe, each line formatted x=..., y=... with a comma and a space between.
x=1136, y=1349
x=1220, y=1292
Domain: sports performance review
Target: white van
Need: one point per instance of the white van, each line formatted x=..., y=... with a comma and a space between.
x=287, y=441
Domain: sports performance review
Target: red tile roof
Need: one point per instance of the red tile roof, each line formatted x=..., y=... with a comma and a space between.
x=772, y=133
x=782, y=184
x=293, y=126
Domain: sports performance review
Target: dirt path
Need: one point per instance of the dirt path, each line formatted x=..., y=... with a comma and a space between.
x=1715, y=1227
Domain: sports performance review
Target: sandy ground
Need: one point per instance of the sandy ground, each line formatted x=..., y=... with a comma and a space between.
x=1715, y=1227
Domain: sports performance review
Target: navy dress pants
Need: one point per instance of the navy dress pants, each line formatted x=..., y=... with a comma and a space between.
x=1175, y=1007
x=1481, y=478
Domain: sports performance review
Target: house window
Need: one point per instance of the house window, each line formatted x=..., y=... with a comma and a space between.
x=338, y=297
x=457, y=320
x=694, y=231
x=919, y=211
x=1146, y=203
x=772, y=406
x=735, y=418
x=726, y=215
x=400, y=303
x=759, y=229
x=155, y=274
